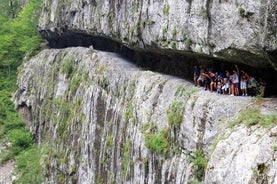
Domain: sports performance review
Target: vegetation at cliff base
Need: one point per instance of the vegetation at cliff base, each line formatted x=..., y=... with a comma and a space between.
x=28, y=166
x=11, y=126
x=18, y=37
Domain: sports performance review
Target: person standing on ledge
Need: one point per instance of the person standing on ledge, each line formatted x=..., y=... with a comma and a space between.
x=235, y=81
x=243, y=83
x=196, y=74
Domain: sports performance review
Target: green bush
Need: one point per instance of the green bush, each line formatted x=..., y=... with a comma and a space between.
x=250, y=117
x=62, y=127
x=164, y=30
x=104, y=83
x=269, y=120
x=63, y=119
x=126, y=158
x=200, y=163
x=253, y=116
x=166, y=9
x=28, y=167
x=109, y=141
x=75, y=83
x=175, y=114
x=181, y=91
x=149, y=127
x=67, y=67
x=20, y=138
x=174, y=32
x=158, y=143
x=241, y=11
x=129, y=114
x=274, y=146
x=12, y=122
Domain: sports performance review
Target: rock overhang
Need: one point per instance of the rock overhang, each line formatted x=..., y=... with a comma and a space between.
x=165, y=61
x=243, y=32
x=254, y=58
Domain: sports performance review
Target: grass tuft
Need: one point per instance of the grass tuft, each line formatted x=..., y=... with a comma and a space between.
x=253, y=116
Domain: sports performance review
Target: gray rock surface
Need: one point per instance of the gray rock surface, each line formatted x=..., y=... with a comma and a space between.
x=95, y=112
x=237, y=31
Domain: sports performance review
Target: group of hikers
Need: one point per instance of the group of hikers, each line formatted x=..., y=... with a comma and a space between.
x=234, y=83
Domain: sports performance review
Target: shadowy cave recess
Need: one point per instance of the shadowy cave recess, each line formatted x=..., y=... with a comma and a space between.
x=163, y=61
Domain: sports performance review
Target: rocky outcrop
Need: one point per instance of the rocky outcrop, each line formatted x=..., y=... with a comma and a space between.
x=103, y=120
x=237, y=31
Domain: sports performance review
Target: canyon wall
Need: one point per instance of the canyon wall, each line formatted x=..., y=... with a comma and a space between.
x=103, y=120
x=236, y=31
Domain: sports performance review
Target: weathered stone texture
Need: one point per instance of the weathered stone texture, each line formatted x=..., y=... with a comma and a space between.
x=92, y=110
x=239, y=31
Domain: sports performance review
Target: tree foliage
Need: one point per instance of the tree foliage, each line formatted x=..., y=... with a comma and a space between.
x=28, y=166
x=18, y=35
x=9, y=8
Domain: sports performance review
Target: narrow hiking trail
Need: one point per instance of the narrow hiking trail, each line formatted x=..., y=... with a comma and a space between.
x=6, y=172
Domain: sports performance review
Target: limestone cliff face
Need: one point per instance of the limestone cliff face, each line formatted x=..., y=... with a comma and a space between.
x=106, y=121
x=238, y=31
